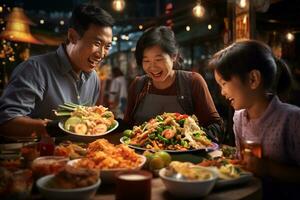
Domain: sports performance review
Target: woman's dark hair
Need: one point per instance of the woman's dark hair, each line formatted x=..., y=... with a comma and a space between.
x=161, y=36
x=86, y=14
x=244, y=56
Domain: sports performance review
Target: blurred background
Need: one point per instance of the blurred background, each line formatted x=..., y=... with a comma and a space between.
x=202, y=27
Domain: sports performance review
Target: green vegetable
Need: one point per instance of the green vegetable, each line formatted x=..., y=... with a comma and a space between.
x=126, y=140
x=181, y=122
x=106, y=115
x=72, y=121
x=197, y=135
x=111, y=126
x=152, y=136
x=159, y=129
x=161, y=138
x=159, y=118
x=128, y=133
x=184, y=144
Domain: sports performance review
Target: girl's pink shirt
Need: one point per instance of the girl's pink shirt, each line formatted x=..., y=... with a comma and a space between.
x=277, y=129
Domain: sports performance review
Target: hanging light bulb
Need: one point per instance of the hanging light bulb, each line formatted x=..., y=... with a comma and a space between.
x=198, y=10
x=118, y=5
x=290, y=36
x=243, y=3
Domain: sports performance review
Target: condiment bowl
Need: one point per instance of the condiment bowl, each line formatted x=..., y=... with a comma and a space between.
x=185, y=188
x=48, y=192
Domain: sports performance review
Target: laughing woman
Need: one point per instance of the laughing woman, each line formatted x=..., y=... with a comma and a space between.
x=164, y=89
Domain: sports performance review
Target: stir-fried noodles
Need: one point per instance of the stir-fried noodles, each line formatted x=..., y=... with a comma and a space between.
x=169, y=131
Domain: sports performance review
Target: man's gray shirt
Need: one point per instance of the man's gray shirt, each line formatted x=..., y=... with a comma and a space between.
x=40, y=84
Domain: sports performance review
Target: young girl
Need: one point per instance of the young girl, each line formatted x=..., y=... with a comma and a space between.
x=247, y=73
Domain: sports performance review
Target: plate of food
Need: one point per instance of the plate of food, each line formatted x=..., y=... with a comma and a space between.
x=171, y=132
x=109, y=129
x=109, y=159
x=86, y=121
x=243, y=178
x=229, y=171
x=214, y=146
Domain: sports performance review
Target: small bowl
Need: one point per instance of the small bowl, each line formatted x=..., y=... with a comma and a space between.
x=188, y=188
x=46, y=165
x=15, y=185
x=108, y=176
x=83, y=193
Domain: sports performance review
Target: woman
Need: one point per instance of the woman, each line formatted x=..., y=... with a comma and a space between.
x=164, y=89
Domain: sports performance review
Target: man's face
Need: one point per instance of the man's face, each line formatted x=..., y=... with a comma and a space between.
x=90, y=49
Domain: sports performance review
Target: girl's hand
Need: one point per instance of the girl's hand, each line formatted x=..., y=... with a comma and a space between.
x=254, y=164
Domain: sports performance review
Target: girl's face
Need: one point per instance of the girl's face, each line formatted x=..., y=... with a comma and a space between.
x=158, y=64
x=239, y=94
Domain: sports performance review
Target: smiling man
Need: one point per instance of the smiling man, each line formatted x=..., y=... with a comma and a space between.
x=43, y=82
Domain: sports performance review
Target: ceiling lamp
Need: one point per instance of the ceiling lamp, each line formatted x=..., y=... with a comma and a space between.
x=118, y=5
x=198, y=10
x=243, y=3
x=290, y=36
x=17, y=27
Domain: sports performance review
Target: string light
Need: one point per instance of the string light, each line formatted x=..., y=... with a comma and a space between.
x=118, y=5
x=187, y=28
x=209, y=26
x=141, y=27
x=290, y=36
x=243, y=3
x=198, y=10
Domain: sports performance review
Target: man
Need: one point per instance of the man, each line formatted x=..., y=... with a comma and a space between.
x=41, y=83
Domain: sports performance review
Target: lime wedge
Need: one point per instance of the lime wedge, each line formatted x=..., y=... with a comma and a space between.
x=72, y=121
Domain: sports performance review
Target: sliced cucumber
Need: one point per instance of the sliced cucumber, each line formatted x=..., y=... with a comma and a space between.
x=72, y=121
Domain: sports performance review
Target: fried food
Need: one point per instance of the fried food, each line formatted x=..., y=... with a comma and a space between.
x=72, y=177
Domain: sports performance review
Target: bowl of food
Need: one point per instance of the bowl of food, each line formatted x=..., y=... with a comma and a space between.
x=15, y=185
x=109, y=159
x=184, y=179
x=107, y=175
x=46, y=165
x=64, y=186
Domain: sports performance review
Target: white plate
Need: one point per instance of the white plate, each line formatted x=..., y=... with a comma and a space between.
x=108, y=175
x=61, y=126
x=214, y=147
x=244, y=178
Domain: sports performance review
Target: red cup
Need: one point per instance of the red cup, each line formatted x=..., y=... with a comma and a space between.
x=46, y=146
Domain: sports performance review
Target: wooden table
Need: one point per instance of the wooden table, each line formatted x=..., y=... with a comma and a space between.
x=247, y=191
x=250, y=190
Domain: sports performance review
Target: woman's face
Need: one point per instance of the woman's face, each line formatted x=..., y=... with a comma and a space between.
x=158, y=64
x=239, y=94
